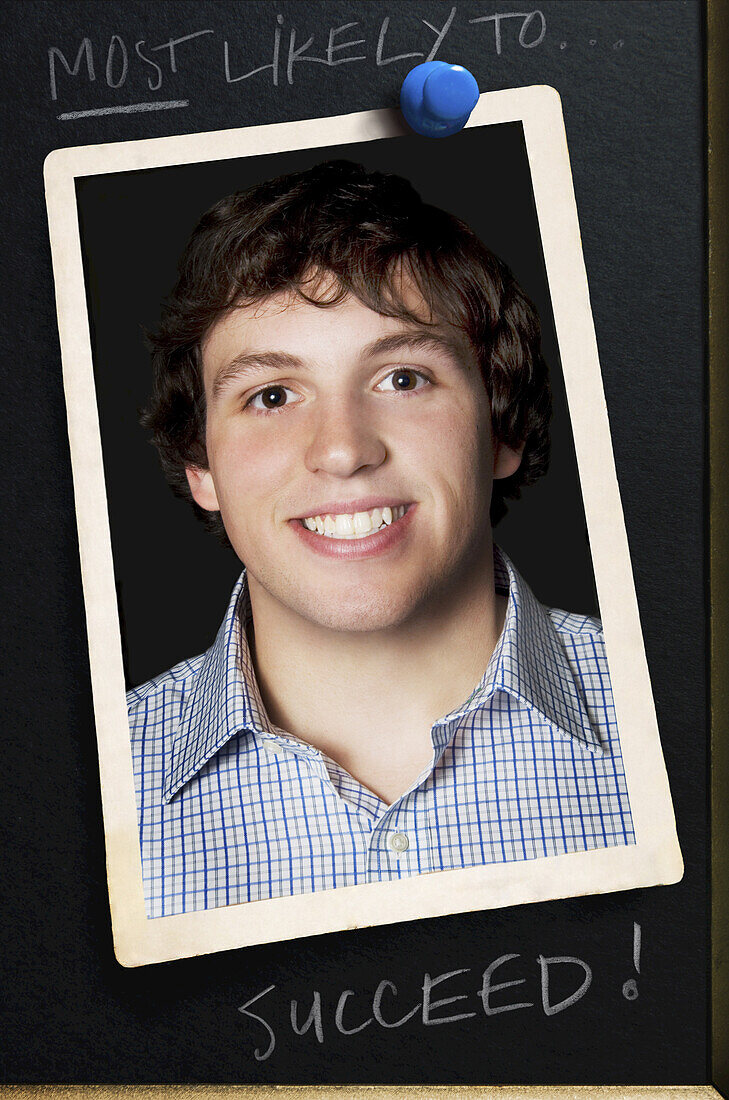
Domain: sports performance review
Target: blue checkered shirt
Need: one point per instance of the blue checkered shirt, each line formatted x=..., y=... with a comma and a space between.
x=232, y=809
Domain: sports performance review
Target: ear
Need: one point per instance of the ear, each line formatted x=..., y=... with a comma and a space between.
x=507, y=460
x=202, y=488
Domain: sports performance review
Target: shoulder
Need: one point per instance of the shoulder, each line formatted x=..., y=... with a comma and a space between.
x=163, y=693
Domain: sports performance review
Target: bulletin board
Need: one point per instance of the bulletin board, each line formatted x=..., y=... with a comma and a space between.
x=632, y=77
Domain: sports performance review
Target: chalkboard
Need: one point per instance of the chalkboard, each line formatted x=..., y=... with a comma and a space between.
x=630, y=78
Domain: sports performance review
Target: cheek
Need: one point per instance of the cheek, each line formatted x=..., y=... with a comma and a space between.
x=455, y=439
x=246, y=467
x=461, y=467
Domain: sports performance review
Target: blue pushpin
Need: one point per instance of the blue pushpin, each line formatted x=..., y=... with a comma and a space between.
x=436, y=98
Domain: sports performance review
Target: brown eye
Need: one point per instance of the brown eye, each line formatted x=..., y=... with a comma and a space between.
x=405, y=380
x=273, y=397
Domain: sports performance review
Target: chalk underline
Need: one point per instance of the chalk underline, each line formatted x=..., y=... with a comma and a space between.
x=128, y=109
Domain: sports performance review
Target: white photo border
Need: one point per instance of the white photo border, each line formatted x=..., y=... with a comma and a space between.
x=655, y=858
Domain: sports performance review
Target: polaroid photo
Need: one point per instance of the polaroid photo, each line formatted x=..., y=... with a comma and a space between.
x=363, y=631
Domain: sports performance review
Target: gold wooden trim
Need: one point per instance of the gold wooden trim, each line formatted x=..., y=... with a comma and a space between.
x=359, y=1092
x=718, y=198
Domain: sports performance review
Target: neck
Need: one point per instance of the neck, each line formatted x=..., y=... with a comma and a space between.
x=369, y=700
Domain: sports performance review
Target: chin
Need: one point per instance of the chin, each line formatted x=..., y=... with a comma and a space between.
x=362, y=609
x=358, y=613
x=382, y=599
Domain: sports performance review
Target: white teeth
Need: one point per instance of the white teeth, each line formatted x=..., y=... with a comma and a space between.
x=357, y=525
x=362, y=523
x=343, y=525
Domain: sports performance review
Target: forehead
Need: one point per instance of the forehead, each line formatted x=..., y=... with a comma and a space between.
x=289, y=323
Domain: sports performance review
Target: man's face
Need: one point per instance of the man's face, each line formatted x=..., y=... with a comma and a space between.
x=351, y=458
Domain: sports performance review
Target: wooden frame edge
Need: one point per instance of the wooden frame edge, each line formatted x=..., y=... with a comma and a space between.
x=360, y=1092
x=717, y=50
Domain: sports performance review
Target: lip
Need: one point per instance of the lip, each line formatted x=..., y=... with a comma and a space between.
x=381, y=542
x=349, y=507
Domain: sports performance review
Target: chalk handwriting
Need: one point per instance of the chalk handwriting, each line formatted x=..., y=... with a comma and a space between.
x=117, y=60
x=55, y=55
x=630, y=988
x=545, y=966
x=487, y=988
x=447, y=998
x=527, y=39
x=132, y=61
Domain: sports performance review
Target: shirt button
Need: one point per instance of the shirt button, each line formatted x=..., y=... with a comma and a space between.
x=399, y=842
x=275, y=747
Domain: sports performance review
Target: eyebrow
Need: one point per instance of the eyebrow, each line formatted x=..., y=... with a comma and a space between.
x=256, y=362
x=414, y=341
x=252, y=363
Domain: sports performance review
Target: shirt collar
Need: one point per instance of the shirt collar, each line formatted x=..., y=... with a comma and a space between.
x=224, y=699
x=528, y=663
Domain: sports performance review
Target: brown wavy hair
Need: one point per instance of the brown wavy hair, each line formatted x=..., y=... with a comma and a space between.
x=366, y=229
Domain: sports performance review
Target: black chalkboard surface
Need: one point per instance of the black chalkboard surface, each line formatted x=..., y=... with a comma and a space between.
x=631, y=80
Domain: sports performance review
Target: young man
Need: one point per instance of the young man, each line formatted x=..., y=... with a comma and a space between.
x=347, y=385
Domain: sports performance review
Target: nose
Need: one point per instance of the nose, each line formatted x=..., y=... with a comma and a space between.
x=345, y=439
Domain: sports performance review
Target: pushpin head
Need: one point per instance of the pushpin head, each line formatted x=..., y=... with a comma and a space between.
x=437, y=99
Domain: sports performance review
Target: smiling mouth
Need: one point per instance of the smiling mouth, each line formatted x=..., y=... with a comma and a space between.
x=354, y=525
